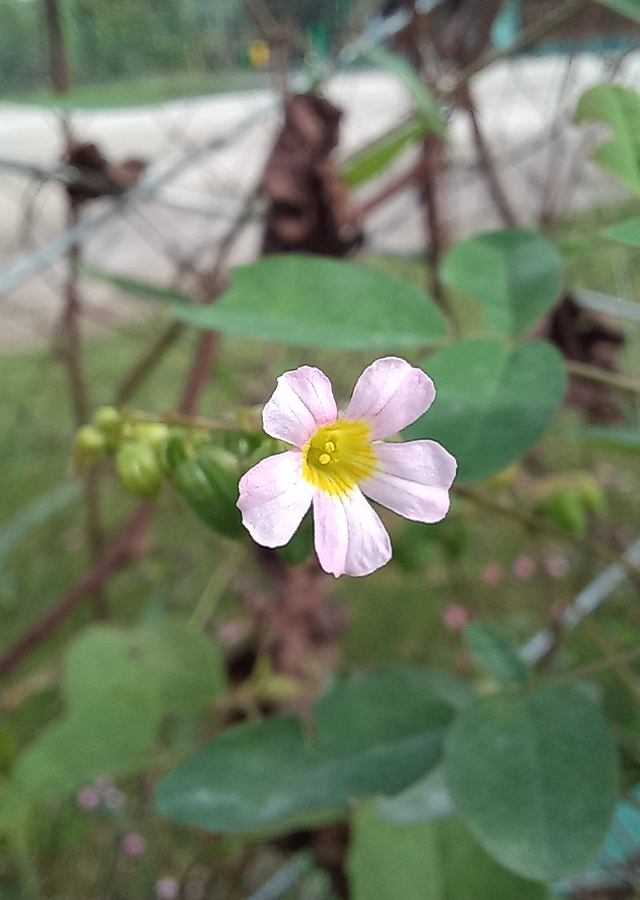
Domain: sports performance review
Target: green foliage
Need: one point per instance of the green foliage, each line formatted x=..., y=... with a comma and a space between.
x=209, y=484
x=630, y=8
x=496, y=655
x=134, y=287
x=436, y=861
x=373, y=159
x=313, y=301
x=372, y=733
x=517, y=274
x=492, y=404
x=619, y=108
x=625, y=232
x=119, y=686
x=427, y=105
x=534, y=778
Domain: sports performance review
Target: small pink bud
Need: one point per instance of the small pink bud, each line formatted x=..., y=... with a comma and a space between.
x=133, y=845
x=492, y=574
x=455, y=616
x=524, y=568
x=88, y=799
x=167, y=889
x=556, y=565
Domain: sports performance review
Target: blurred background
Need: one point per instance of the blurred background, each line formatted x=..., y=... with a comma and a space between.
x=134, y=138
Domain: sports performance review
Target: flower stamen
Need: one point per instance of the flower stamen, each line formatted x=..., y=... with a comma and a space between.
x=338, y=457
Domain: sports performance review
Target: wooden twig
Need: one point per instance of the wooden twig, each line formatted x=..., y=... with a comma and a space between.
x=130, y=546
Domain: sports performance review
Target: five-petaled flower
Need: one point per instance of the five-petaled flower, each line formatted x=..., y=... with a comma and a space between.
x=341, y=458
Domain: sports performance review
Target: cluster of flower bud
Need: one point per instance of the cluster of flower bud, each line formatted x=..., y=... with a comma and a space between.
x=204, y=469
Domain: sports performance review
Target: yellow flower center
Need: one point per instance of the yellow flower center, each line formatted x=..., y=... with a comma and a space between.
x=338, y=457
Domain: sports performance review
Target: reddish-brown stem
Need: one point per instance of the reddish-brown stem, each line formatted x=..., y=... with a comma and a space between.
x=494, y=185
x=147, y=363
x=205, y=355
x=71, y=351
x=131, y=545
x=390, y=190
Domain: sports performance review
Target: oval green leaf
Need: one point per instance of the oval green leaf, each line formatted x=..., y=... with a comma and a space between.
x=492, y=404
x=496, y=655
x=436, y=861
x=313, y=301
x=619, y=108
x=373, y=733
x=534, y=778
x=517, y=274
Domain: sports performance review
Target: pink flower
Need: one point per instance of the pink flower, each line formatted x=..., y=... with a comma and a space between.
x=341, y=458
x=133, y=844
x=167, y=888
x=88, y=799
x=492, y=574
x=455, y=616
x=556, y=565
x=523, y=568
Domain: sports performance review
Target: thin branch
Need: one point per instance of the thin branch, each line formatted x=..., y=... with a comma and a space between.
x=148, y=362
x=601, y=665
x=601, y=376
x=527, y=38
x=130, y=546
x=487, y=165
x=544, y=526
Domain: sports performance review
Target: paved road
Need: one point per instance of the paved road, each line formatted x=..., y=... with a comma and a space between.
x=517, y=102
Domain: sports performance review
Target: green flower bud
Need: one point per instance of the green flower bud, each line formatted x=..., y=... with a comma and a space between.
x=109, y=421
x=172, y=450
x=211, y=490
x=138, y=469
x=107, y=418
x=566, y=509
x=88, y=447
x=151, y=432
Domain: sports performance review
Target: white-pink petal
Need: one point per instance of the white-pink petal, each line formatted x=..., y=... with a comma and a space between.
x=274, y=498
x=302, y=401
x=391, y=394
x=349, y=537
x=413, y=480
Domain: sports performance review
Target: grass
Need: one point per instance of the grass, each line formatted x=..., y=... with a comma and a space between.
x=147, y=90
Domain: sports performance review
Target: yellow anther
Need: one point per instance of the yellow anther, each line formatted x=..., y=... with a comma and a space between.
x=324, y=458
x=329, y=446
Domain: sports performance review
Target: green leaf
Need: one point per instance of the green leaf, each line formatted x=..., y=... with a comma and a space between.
x=534, y=778
x=426, y=800
x=118, y=685
x=620, y=109
x=145, y=290
x=438, y=861
x=377, y=155
x=629, y=8
x=422, y=96
x=496, y=655
x=626, y=232
x=612, y=306
x=624, y=437
x=492, y=404
x=312, y=301
x=373, y=733
x=517, y=274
